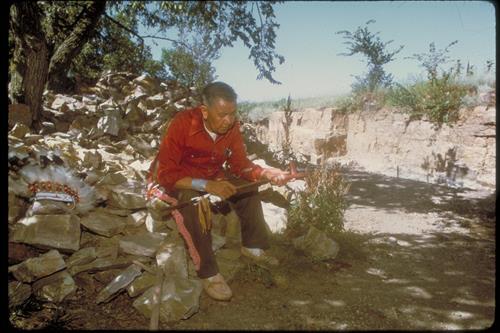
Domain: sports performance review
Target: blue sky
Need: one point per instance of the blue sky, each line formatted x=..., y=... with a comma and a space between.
x=307, y=40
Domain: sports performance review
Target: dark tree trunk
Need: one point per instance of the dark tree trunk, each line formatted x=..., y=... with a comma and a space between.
x=72, y=45
x=30, y=63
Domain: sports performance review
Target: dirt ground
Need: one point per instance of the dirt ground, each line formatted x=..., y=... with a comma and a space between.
x=414, y=256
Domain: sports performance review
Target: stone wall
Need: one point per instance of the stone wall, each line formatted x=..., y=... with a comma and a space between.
x=386, y=142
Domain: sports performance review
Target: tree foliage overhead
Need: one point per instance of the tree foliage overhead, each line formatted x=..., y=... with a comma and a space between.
x=84, y=38
x=190, y=61
x=362, y=41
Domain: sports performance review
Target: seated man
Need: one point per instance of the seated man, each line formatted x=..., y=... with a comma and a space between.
x=197, y=144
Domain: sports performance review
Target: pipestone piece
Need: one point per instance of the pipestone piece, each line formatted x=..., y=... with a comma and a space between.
x=120, y=282
x=36, y=268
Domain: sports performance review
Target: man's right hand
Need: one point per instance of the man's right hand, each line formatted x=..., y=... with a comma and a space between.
x=221, y=188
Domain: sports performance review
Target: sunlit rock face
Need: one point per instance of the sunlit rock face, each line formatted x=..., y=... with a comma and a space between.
x=387, y=142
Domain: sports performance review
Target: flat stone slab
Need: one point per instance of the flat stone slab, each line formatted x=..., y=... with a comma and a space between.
x=18, y=293
x=60, y=232
x=102, y=264
x=141, y=284
x=82, y=257
x=171, y=257
x=55, y=288
x=179, y=300
x=104, y=224
x=143, y=244
x=119, y=282
x=35, y=268
x=127, y=195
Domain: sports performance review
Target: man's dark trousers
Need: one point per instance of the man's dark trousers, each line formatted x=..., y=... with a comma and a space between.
x=247, y=206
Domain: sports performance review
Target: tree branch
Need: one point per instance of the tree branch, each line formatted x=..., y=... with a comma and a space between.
x=145, y=36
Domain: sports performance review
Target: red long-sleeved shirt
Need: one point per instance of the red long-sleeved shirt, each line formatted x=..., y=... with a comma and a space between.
x=187, y=150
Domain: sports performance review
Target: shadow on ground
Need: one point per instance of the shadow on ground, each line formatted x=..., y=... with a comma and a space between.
x=385, y=192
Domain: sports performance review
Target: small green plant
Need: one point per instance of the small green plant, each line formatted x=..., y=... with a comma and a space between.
x=287, y=123
x=439, y=99
x=349, y=103
x=321, y=204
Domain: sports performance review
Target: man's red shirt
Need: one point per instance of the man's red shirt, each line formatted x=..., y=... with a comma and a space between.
x=187, y=150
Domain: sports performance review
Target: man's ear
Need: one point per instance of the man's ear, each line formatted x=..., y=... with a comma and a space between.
x=204, y=111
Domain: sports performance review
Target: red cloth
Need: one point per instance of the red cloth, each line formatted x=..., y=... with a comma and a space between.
x=187, y=150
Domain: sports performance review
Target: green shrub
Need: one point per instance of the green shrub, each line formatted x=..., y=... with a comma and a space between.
x=438, y=99
x=321, y=204
x=350, y=103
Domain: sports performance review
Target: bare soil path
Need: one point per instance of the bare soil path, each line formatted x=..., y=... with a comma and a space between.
x=414, y=256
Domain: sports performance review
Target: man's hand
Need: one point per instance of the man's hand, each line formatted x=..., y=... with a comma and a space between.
x=276, y=176
x=221, y=188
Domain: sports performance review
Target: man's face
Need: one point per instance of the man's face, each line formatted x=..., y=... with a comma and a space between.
x=219, y=116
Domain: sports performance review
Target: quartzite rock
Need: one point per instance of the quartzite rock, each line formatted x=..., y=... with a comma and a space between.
x=171, y=257
x=317, y=245
x=82, y=257
x=18, y=293
x=104, y=224
x=55, y=288
x=143, y=244
x=179, y=300
x=54, y=231
x=119, y=282
x=141, y=284
x=36, y=268
x=128, y=196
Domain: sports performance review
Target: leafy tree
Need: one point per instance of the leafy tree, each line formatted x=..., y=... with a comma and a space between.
x=368, y=44
x=35, y=57
x=190, y=63
x=47, y=39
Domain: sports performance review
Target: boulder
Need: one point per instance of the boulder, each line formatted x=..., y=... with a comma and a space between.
x=317, y=245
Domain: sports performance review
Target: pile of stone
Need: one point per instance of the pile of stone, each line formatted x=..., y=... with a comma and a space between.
x=101, y=145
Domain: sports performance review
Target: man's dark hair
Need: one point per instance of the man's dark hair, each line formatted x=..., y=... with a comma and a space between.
x=218, y=90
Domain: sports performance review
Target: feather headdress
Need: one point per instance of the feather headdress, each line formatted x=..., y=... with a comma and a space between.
x=58, y=183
